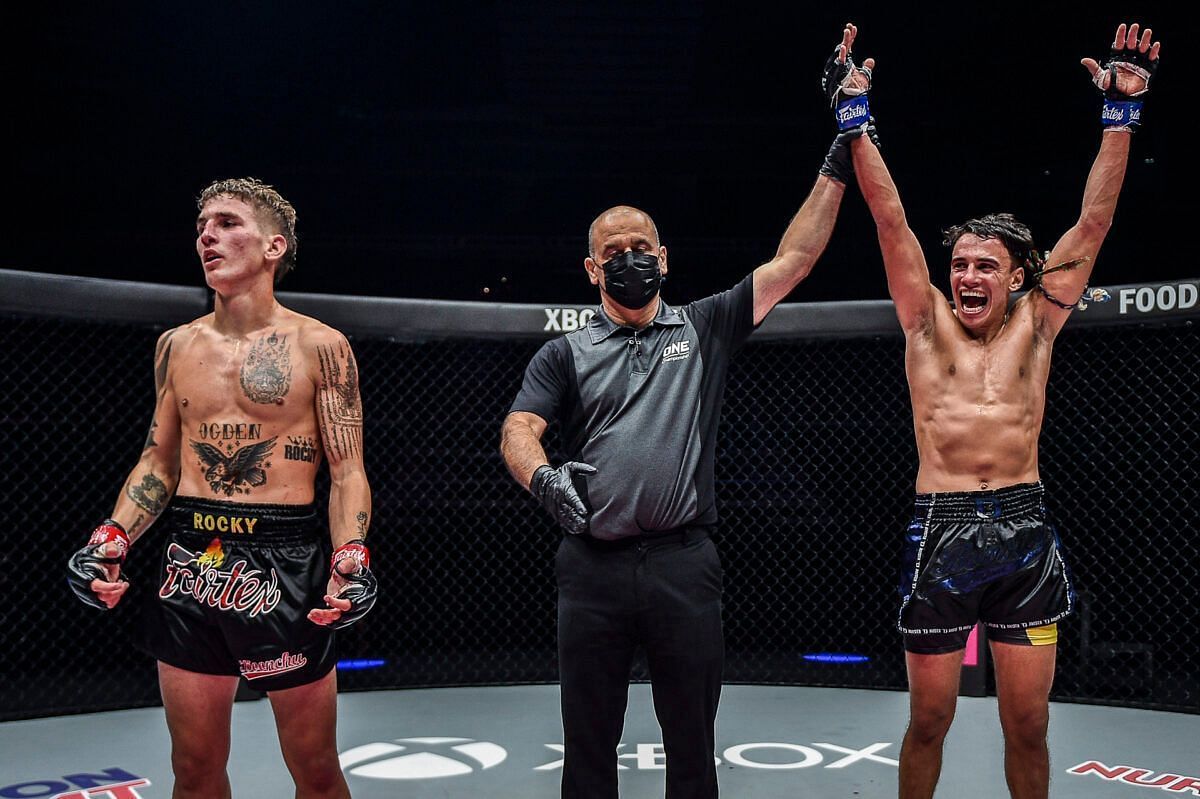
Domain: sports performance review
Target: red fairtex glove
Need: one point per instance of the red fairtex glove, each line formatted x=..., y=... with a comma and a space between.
x=89, y=564
x=350, y=574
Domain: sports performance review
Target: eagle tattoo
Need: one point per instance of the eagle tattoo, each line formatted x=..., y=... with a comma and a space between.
x=237, y=472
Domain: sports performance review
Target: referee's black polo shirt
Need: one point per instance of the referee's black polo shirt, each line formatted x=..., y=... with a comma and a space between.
x=642, y=407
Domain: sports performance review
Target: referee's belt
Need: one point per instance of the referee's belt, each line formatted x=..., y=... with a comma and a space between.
x=655, y=538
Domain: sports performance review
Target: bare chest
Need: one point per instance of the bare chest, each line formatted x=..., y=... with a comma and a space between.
x=237, y=386
x=1003, y=372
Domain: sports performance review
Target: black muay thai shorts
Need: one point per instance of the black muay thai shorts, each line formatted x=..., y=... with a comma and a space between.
x=236, y=584
x=989, y=556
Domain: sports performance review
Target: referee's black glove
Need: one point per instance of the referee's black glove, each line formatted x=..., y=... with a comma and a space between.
x=555, y=489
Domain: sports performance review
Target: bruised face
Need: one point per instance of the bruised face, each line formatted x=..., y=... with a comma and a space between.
x=982, y=276
x=232, y=242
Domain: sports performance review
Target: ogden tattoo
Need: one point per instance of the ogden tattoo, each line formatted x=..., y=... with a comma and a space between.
x=267, y=371
x=150, y=495
x=338, y=402
x=237, y=472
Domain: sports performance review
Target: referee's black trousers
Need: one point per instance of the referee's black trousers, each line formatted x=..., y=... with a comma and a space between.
x=663, y=595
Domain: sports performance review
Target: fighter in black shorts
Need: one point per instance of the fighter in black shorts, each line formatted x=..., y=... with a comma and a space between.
x=236, y=583
x=988, y=556
x=979, y=546
x=250, y=398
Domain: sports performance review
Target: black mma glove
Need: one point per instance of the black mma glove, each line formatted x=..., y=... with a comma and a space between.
x=1121, y=111
x=838, y=162
x=555, y=489
x=358, y=586
x=87, y=564
x=849, y=102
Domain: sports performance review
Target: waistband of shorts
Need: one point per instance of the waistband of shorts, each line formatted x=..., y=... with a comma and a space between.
x=245, y=523
x=975, y=506
x=678, y=535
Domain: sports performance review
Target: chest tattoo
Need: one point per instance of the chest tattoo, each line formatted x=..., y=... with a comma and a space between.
x=266, y=373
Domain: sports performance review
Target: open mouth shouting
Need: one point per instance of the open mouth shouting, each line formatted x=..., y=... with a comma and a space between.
x=972, y=302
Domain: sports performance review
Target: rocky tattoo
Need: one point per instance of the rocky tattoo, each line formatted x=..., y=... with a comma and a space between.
x=338, y=404
x=266, y=373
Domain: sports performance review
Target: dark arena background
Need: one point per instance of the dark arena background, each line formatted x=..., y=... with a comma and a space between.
x=815, y=468
x=445, y=161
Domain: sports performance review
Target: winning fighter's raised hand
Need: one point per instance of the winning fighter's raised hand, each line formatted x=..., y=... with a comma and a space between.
x=842, y=79
x=1126, y=75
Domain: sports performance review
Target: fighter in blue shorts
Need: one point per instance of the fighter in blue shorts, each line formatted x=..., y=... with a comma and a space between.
x=980, y=547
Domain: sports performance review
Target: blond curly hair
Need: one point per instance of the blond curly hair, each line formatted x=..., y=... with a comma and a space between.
x=270, y=205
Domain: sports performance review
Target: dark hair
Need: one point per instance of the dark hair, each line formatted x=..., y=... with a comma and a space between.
x=1016, y=237
x=269, y=203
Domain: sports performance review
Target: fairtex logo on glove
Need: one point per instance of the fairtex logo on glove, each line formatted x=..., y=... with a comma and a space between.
x=853, y=112
x=1120, y=114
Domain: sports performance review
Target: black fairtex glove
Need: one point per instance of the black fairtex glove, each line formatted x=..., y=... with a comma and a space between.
x=88, y=564
x=357, y=585
x=849, y=102
x=555, y=489
x=838, y=162
x=1125, y=77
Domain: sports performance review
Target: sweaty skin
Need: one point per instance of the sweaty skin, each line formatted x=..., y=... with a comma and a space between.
x=978, y=403
x=249, y=399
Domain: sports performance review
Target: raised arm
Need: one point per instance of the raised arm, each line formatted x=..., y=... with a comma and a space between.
x=801, y=246
x=908, y=276
x=1132, y=62
x=845, y=85
x=907, y=273
x=95, y=570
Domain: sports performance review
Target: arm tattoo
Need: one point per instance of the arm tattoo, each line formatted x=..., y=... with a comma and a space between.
x=266, y=373
x=361, y=518
x=150, y=495
x=162, y=360
x=150, y=442
x=338, y=403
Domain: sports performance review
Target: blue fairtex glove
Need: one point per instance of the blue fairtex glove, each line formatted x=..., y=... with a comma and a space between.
x=846, y=86
x=841, y=81
x=1125, y=76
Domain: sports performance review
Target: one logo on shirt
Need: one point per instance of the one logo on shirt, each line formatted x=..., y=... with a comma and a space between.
x=677, y=351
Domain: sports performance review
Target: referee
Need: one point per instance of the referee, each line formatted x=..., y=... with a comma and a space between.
x=637, y=392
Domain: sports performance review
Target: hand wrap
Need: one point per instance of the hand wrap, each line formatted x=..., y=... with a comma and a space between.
x=1121, y=111
x=87, y=564
x=361, y=587
x=849, y=102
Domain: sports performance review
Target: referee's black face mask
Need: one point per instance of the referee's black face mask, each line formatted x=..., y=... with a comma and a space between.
x=632, y=278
